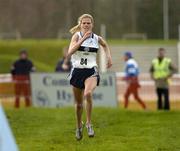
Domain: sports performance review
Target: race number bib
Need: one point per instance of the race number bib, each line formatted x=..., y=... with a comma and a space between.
x=83, y=61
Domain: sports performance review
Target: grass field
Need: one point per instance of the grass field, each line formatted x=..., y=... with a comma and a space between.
x=38, y=129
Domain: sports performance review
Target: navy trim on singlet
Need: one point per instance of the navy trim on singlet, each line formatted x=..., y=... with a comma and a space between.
x=88, y=49
x=81, y=34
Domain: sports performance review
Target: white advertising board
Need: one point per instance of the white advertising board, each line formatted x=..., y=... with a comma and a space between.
x=54, y=90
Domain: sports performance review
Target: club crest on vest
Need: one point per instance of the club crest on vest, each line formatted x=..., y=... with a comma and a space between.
x=86, y=49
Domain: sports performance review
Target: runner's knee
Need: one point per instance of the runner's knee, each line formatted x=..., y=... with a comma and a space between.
x=88, y=94
x=79, y=105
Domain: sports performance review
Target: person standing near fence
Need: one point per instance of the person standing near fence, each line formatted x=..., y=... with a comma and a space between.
x=67, y=67
x=161, y=70
x=20, y=71
x=131, y=78
x=84, y=75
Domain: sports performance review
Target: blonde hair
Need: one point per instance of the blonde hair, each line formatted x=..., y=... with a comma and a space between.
x=78, y=26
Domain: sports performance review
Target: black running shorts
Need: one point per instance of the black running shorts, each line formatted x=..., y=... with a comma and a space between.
x=78, y=76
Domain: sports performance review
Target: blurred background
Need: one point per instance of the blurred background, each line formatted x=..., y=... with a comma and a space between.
x=42, y=19
x=42, y=27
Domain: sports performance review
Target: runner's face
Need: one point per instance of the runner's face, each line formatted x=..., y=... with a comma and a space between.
x=86, y=24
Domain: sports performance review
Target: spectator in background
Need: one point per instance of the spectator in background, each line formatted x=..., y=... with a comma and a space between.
x=20, y=71
x=161, y=70
x=67, y=66
x=131, y=77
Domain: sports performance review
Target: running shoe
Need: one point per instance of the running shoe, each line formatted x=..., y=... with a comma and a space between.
x=79, y=133
x=90, y=130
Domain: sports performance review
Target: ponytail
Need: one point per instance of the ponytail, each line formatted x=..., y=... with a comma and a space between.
x=75, y=29
x=78, y=26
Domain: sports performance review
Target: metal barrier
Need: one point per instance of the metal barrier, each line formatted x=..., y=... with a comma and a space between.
x=147, y=90
x=14, y=87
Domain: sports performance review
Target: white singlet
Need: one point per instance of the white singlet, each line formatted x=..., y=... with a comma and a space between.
x=85, y=56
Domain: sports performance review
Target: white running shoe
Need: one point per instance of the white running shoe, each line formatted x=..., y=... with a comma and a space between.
x=79, y=133
x=90, y=130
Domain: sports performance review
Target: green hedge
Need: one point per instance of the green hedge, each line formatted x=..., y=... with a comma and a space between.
x=44, y=53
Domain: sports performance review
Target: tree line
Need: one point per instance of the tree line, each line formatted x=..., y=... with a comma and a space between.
x=54, y=18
